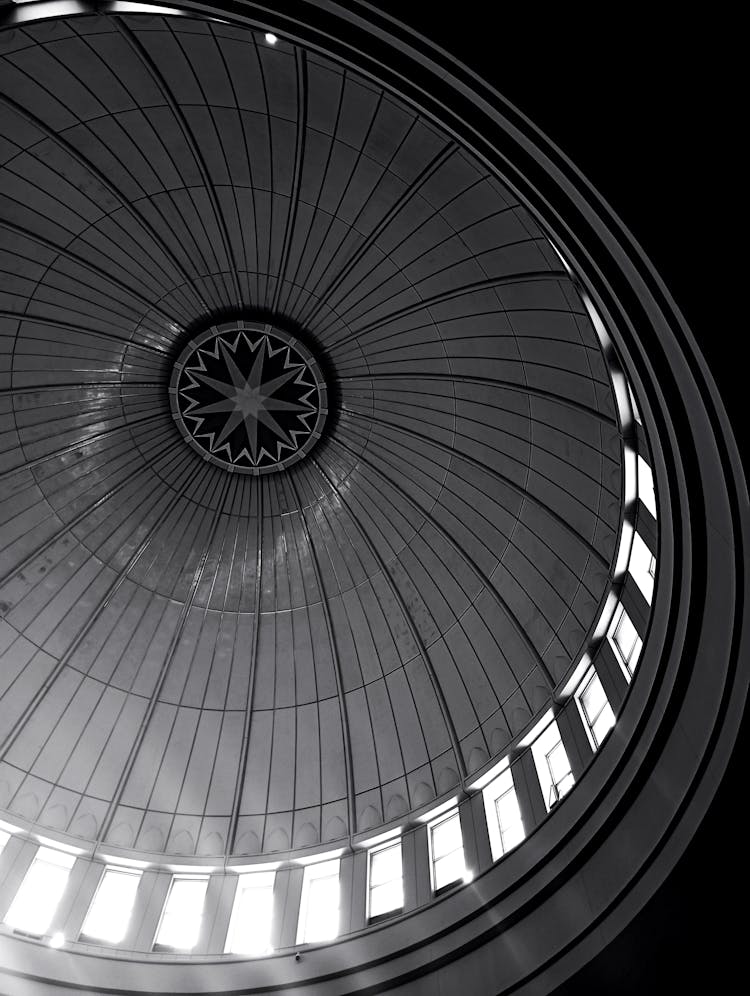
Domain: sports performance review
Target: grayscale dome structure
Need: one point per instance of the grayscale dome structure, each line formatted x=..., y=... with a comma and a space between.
x=336, y=470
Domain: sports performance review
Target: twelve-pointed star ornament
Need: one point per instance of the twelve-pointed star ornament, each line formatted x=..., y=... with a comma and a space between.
x=249, y=401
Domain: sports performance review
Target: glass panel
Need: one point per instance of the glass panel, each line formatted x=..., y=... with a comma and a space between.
x=449, y=869
x=646, y=486
x=181, y=921
x=509, y=819
x=640, y=561
x=4, y=838
x=319, y=909
x=551, y=762
x=625, y=636
x=386, y=898
x=559, y=767
x=596, y=710
x=323, y=912
x=386, y=879
x=603, y=724
x=447, y=850
x=513, y=834
x=446, y=836
x=109, y=913
x=593, y=699
x=504, y=822
x=40, y=892
x=385, y=864
x=558, y=762
x=250, y=927
x=565, y=784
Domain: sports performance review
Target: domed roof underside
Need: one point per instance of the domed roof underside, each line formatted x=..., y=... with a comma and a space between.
x=200, y=662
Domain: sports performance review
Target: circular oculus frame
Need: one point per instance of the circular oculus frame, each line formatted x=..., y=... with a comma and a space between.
x=248, y=397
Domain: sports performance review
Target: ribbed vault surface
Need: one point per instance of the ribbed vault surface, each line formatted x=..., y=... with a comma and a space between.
x=199, y=662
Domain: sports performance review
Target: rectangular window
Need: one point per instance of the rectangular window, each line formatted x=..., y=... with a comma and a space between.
x=446, y=851
x=595, y=709
x=37, y=899
x=183, y=913
x=625, y=641
x=552, y=765
x=109, y=913
x=504, y=820
x=385, y=880
x=642, y=566
x=559, y=769
x=252, y=913
x=646, y=486
x=319, y=908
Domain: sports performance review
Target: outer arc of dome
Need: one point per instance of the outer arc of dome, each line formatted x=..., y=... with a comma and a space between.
x=678, y=397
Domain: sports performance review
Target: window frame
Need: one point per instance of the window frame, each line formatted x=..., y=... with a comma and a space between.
x=309, y=877
x=391, y=843
x=545, y=743
x=589, y=723
x=232, y=929
x=646, y=489
x=43, y=855
x=640, y=564
x=493, y=792
x=158, y=945
x=555, y=789
x=629, y=662
x=450, y=814
x=112, y=869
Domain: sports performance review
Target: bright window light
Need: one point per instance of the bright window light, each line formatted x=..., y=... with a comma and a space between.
x=636, y=413
x=504, y=821
x=250, y=926
x=625, y=641
x=385, y=879
x=319, y=908
x=595, y=709
x=446, y=851
x=642, y=566
x=4, y=838
x=41, y=890
x=183, y=913
x=109, y=913
x=552, y=765
x=646, y=486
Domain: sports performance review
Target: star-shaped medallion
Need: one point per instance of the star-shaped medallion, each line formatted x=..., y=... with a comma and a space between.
x=249, y=397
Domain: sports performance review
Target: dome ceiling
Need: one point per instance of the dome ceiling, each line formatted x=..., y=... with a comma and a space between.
x=196, y=660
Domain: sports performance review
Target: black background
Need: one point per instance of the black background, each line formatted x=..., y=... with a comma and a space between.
x=648, y=112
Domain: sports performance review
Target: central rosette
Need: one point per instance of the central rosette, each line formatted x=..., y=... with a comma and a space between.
x=248, y=397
